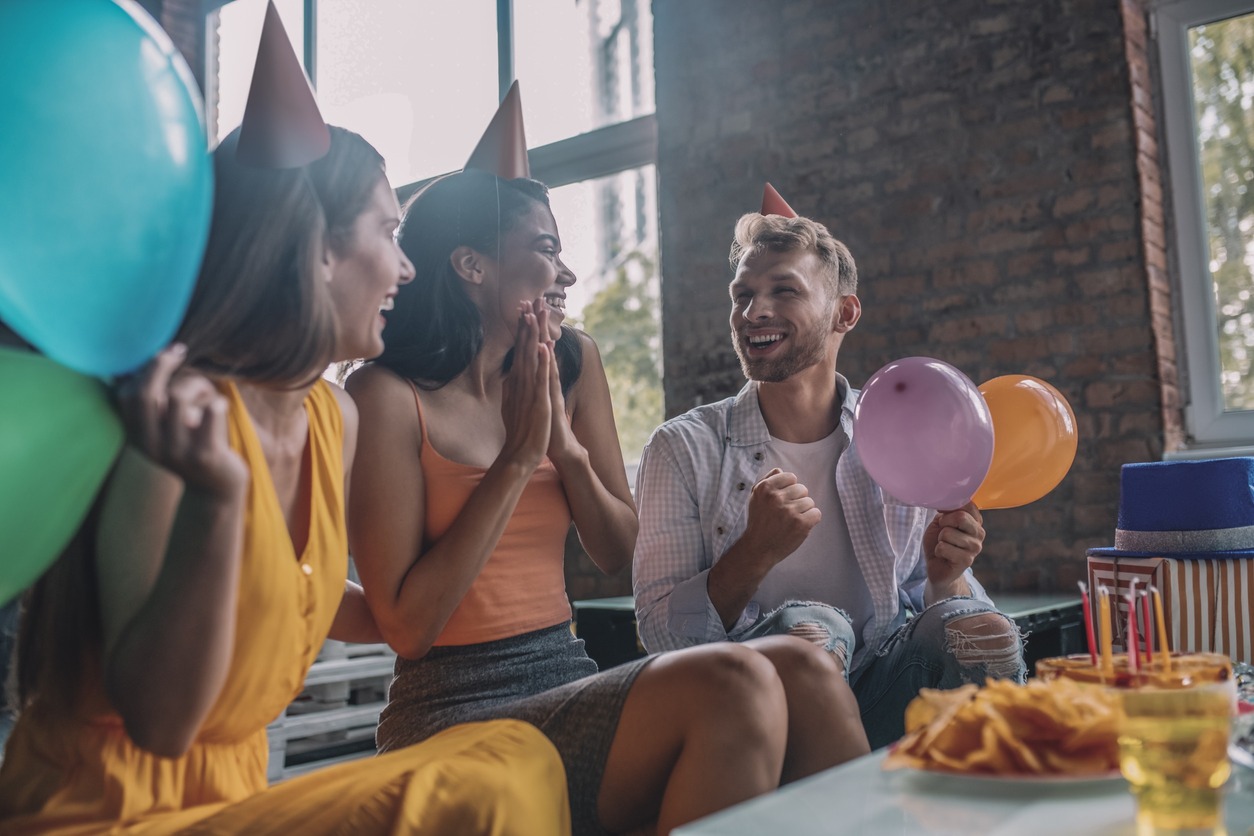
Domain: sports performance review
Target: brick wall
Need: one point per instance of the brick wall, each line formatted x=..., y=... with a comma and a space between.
x=994, y=169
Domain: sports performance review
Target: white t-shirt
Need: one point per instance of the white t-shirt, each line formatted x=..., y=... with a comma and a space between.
x=824, y=567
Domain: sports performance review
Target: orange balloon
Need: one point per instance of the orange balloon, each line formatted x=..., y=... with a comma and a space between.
x=1034, y=441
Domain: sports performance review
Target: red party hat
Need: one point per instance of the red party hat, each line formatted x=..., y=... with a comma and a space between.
x=502, y=150
x=773, y=204
x=282, y=126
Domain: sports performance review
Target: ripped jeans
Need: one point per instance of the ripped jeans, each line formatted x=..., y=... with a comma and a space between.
x=952, y=642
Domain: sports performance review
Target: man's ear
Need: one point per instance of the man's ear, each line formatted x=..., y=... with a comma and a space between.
x=468, y=264
x=848, y=312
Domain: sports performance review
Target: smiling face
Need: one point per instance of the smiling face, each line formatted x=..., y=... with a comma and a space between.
x=530, y=267
x=366, y=270
x=783, y=320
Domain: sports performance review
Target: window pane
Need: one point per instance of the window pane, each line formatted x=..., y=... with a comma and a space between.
x=1223, y=90
x=239, y=30
x=582, y=64
x=417, y=79
x=609, y=238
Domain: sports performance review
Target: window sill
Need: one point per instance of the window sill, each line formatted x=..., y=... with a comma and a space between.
x=1212, y=452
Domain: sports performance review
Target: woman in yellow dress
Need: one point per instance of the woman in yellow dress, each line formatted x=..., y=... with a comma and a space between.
x=185, y=614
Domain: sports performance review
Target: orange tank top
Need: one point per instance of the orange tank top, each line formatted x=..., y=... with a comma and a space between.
x=522, y=587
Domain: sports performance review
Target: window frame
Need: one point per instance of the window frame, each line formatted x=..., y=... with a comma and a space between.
x=587, y=156
x=1211, y=429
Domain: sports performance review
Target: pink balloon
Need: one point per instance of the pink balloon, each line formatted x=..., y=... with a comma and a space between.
x=924, y=433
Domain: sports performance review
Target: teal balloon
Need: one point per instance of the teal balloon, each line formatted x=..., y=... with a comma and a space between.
x=58, y=439
x=106, y=182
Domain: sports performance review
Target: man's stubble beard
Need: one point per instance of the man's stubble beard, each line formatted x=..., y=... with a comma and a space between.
x=800, y=357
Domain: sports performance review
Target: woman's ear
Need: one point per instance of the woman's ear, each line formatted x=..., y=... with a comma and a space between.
x=328, y=261
x=468, y=264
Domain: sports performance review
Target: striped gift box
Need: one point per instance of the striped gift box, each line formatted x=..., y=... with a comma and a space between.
x=1207, y=603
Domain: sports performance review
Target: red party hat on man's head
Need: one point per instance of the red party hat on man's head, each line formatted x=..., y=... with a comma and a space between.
x=773, y=204
x=502, y=150
x=282, y=125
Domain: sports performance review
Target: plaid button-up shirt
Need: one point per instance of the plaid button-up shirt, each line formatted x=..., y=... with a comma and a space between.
x=693, y=490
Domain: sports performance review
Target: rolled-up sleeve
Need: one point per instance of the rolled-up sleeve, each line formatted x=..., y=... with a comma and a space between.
x=671, y=565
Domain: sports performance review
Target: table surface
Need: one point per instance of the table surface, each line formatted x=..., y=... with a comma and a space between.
x=860, y=797
x=1013, y=603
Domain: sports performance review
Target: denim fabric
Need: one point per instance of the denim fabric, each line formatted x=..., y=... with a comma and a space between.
x=693, y=491
x=919, y=655
x=781, y=621
x=926, y=651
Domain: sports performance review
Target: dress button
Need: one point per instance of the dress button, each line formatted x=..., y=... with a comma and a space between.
x=720, y=529
x=757, y=457
x=741, y=486
x=306, y=568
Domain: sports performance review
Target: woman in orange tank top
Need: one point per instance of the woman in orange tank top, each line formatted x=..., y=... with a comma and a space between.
x=487, y=427
x=184, y=617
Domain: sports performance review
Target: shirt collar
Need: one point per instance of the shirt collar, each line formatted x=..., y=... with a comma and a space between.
x=745, y=426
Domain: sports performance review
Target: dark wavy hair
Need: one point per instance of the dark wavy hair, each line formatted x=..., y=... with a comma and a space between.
x=435, y=329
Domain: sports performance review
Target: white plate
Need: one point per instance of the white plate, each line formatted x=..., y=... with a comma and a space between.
x=974, y=778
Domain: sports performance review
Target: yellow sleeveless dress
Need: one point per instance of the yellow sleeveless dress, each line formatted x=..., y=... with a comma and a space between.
x=83, y=775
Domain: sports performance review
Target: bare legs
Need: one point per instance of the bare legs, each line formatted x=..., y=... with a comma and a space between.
x=702, y=729
x=824, y=722
x=708, y=727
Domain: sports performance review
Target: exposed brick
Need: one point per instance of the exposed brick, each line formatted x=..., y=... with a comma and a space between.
x=967, y=274
x=995, y=169
x=1057, y=93
x=1074, y=257
x=967, y=328
x=1125, y=250
x=1121, y=393
x=1077, y=201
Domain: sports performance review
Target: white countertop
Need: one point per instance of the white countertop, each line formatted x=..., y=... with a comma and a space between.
x=860, y=798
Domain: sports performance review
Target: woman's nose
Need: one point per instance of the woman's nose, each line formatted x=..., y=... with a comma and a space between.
x=407, y=268
x=565, y=276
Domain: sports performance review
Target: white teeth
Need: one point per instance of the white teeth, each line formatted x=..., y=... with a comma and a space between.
x=764, y=339
x=556, y=302
x=387, y=304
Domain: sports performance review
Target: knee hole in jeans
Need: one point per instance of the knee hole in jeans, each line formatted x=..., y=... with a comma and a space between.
x=816, y=633
x=988, y=641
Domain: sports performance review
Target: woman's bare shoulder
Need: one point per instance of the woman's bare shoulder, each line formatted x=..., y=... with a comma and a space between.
x=376, y=389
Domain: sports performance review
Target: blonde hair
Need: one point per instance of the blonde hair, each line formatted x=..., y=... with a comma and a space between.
x=776, y=233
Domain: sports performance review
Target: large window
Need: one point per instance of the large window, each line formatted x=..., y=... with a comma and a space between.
x=1207, y=52
x=420, y=79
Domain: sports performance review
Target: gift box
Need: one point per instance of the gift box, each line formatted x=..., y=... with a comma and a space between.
x=1206, y=601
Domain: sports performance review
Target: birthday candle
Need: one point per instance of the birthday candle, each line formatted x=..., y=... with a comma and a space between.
x=1148, y=631
x=1088, y=622
x=1134, y=649
x=1161, y=622
x=1104, y=630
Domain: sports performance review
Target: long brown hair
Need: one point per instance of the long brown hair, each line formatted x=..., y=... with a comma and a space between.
x=344, y=179
x=261, y=310
x=58, y=638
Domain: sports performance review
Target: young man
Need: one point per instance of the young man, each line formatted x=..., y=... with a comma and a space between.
x=757, y=516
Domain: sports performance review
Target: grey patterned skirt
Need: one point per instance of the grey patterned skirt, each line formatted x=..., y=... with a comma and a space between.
x=544, y=678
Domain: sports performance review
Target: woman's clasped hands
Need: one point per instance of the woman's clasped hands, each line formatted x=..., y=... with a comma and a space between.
x=532, y=405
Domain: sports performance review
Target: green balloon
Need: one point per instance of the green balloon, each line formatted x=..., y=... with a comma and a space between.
x=59, y=437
